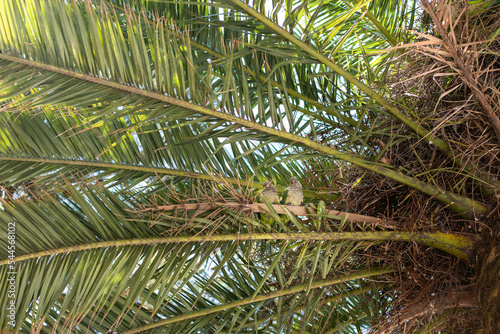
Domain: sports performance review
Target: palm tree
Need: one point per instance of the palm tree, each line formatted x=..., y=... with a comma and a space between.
x=135, y=136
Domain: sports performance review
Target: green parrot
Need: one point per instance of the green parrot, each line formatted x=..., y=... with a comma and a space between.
x=270, y=192
x=295, y=195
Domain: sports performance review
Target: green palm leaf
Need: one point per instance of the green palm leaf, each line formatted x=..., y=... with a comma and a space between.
x=112, y=110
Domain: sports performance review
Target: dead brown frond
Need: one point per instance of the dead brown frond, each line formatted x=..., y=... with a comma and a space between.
x=449, y=80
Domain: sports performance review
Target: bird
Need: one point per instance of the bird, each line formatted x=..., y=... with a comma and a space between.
x=295, y=195
x=270, y=192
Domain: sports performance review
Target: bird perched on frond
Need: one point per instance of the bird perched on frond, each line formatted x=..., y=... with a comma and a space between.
x=295, y=195
x=270, y=192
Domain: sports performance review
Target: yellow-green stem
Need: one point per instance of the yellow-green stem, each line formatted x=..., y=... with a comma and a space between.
x=458, y=244
x=166, y=171
x=323, y=302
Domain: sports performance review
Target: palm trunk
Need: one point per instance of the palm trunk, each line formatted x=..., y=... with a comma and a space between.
x=488, y=284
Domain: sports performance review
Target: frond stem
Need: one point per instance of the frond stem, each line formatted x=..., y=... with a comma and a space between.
x=334, y=300
x=156, y=170
x=260, y=207
x=457, y=244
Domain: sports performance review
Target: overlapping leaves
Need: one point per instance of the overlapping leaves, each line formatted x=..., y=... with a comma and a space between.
x=117, y=94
